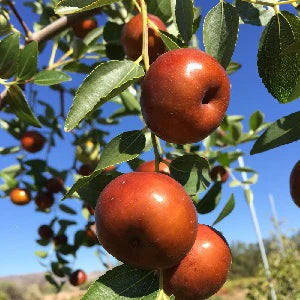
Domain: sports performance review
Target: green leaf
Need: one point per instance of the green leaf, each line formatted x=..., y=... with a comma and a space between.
x=105, y=82
x=228, y=208
x=191, y=171
x=248, y=195
x=20, y=107
x=9, y=150
x=245, y=169
x=220, y=32
x=256, y=120
x=233, y=67
x=183, y=16
x=210, y=200
x=67, y=209
x=280, y=70
x=252, y=179
x=65, y=7
x=284, y=131
x=77, y=67
x=169, y=40
x=124, y=147
x=161, y=9
x=124, y=282
x=50, y=77
x=9, y=51
x=41, y=254
x=27, y=61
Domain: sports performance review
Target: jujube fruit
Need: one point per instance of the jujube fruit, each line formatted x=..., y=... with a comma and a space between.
x=149, y=166
x=20, y=196
x=219, y=173
x=132, y=38
x=295, y=184
x=44, y=200
x=203, y=271
x=60, y=239
x=82, y=28
x=45, y=232
x=77, y=277
x=55, y=185
x=32, y=141
x=185, y=95
x=134, y=223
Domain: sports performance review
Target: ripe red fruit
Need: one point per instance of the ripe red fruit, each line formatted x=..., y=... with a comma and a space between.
x=203, y=271
x=45, y=232
x=82, y=28
x=60, y=239
x=78, y=277
x=295, y=184
x=44, y=200
x=146, y=219
x=85, y=170
x=185, y=95
x=149, y=166
x=55, y=185
x=32, y=141
x=219, y=172
x=132, y=38
x=20, y=196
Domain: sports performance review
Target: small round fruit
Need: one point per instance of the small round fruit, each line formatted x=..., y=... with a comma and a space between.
x=32, y=141
x=82, y=28
x=185, y=95
x=219, y=173
x=91, y=233
x=44, y=200
x=45, y=232
x=203, y=271
x=55, y=185
x=60, y=239
x=85, y=170
x=295, y=184
x=20, y=196
x=146, y=219
x=78, y=277
x=132, y=38
x=149, y=166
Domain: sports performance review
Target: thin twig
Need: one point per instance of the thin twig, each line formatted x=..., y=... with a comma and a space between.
x=62, y=103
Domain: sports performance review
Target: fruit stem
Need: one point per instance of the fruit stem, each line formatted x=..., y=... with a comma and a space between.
x=53, y=53
x=137, y=5
x=271, y=3
x=161, y=279
x=156, y=153
x=145, y=35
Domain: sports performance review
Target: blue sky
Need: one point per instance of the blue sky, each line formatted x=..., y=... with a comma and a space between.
x=19, y=224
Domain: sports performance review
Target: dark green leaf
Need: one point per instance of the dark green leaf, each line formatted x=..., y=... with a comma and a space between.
x=79, y=48
x=9, y=51
x=245, y=169
x=124, y=282
x=27, y=61
x=161, y=9
x=50, y=77
x=226, y=158
x=9, y=150
x=191, y=171
x=105, y=82
x=77, y=67
x=170, y=40
x=210, y=200
x=280, y=70
x=20, y=107
x=232, y=67
x=197, y=19
x=284, y=131
x=67, y=209
x=220, y=31
x=228, y=208
x=51, y=280
x=256, y=120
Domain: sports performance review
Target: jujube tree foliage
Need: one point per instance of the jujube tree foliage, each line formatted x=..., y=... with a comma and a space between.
x=146, y=59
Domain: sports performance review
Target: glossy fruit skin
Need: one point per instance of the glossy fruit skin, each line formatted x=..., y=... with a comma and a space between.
x=185, y=95
x=78, y=277
x=149, y=166
x=218, y=172
x=203, y=271
x=44, y=200
x=295, y=184
x=45, y=232
x=55, y=185
x=133, y=220
x=60, y=239
x=85, y=170
x=82, y=28
x=20, y=196
x=132, y=38
x=32, y=141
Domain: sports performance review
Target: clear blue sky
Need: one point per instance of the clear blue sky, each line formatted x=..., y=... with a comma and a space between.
x=19, y=224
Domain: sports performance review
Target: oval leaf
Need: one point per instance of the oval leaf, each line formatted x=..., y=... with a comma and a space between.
x=279, y=69
x=20, y=107
x=169, y=40
x=105, y=82
x=228, y=208
x=67, y=209
x=50, y=77
x=27, y=61
x=41, y=254
x=220, y=31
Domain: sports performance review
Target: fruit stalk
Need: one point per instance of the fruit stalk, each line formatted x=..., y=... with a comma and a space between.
x=258, y=232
